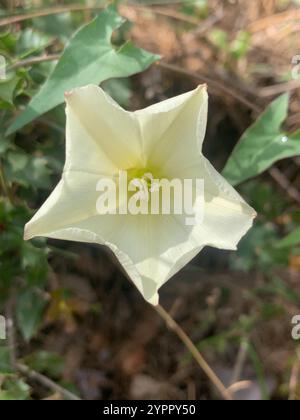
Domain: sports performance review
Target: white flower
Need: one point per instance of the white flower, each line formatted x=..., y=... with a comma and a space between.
x=164, y=140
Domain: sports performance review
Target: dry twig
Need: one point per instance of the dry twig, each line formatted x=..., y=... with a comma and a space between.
x=279, y=88
x=172, y=324
x=285, y=184
x=211, y=83
x=294, y=380
x=46, y=382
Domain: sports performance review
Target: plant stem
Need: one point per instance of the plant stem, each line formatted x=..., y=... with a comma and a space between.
x=84, y=8
x=34, y=60
x=172, y=324
x=47, y=382
x=218, y=86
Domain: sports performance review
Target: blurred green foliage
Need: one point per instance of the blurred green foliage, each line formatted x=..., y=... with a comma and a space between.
x=235, y=49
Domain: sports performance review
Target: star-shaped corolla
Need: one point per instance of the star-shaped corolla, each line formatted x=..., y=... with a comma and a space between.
x=164, y=139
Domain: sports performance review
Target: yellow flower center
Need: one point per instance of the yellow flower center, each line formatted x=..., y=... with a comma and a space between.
x=145, y=175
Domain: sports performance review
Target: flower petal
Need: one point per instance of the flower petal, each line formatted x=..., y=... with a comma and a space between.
x=70, y=213
x=73, y=199
x=100, y=136
x=151, y=248
x=174, y=129
x=227, y=217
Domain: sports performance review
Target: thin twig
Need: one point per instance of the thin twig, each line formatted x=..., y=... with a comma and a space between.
x=47, y=382
x=239, y=386
x=205, y=25
x=80, y=8
x=285, y=184
x=155, y=2
x=164, y=11
x=294, y=120
x=172, y=324
x=34, y=60
x=294, y=381
x=240, y=361
x=167, y=66
x=47, y=12
x=279, y=88
x=269, y=21
x=185, y=339
x=213, y=83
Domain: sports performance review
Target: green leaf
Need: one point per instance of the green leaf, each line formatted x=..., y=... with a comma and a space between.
x=240, y=46
x=31, y=41
x=89, y=57
x=45, y=362
x=257, y=251
x=262, y=144
x=26, y=170
x=7, y=89
x=8, y=40
x=34, y=263
x=29, y=311
x=14, y=389
x=59, y=25
x=219, y=38
x=290, y=240
x=5, y=365
x=4, y=144
x=278, y=288
x=17, y=160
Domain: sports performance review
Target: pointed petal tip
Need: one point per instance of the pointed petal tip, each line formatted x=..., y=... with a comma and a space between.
x=154, y=300
x=253, y=214
x=201, y=86
x=67, y=94
x=252, y=217
x=27, y=234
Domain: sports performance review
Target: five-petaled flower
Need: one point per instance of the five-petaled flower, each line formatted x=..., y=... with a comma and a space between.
x=165, y=140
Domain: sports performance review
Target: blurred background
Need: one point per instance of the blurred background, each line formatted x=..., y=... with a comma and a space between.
x=70, y=313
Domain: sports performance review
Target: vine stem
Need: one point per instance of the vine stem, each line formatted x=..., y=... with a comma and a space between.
x=172, y=324
x=34, y=60
x=218, y=86
x=46, y=382
x=84, y=8
x=214, y=84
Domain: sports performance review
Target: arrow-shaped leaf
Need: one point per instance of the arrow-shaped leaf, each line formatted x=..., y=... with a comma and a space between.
x=262, y=144
x=89, y=57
